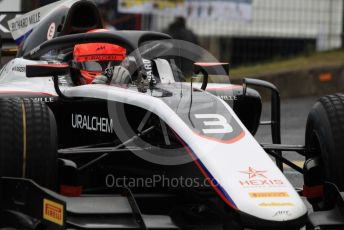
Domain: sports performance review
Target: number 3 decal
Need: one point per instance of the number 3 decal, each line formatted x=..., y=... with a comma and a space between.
x=216, y=120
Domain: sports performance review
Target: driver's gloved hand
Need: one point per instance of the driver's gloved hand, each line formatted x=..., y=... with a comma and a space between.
x=142, y=82
x=120, y=76
x=117, y=75
x=101, y=79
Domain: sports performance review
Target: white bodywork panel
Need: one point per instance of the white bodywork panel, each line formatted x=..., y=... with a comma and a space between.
x=242, y=168
x=244, y=171
x=22, y=25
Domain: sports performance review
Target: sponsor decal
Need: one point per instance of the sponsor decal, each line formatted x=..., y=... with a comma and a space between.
x=282, y=213
x=229, y=98
x=102, y=57
x=35, y=50
x=44, y=99
x=254, y=173
x=259, y=178
x=25, y=22
x=268, y=194
x=51, y=31
x=92, y=123
x=261, y=183
x=149, y=70
x=100, y=48
x=22, y=26
x=275, y=204
x=63, y=80
x=20, y=69
x=53, y=212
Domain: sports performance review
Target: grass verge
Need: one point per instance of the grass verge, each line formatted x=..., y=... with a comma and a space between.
x=334, y=57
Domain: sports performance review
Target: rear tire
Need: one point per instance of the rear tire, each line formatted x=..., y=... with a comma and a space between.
x=325, y=137
x=28, y=141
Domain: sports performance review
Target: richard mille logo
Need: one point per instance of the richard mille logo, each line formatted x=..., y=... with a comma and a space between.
x=252, y=173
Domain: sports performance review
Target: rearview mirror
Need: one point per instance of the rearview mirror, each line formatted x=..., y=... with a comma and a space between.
x=47, y=70
x=210, y=68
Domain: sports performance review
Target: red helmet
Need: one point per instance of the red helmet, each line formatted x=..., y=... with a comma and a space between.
x=93, y=58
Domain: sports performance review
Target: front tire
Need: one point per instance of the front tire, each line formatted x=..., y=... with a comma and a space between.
x=325, y=137
x=28, y=141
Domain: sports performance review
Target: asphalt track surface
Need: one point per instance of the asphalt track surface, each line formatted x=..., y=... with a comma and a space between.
x=293, y=123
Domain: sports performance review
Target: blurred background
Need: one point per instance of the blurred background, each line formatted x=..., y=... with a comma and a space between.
x=242, y=32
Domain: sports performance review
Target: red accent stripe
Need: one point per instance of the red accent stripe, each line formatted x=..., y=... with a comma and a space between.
x=313, y=191
x=52, y=65
x=70, y=191
x=99, y=57
x=206, y=64
x=28, y=92
x=98, y=30
x=96, y=50
x=230, y=141
x=226, y=87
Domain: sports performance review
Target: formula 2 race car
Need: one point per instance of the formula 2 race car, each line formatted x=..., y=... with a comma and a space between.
x=163, y=155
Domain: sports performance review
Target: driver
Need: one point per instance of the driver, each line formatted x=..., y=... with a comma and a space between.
x=100, y=63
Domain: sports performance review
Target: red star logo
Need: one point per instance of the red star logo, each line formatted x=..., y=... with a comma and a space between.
x=254, y=173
